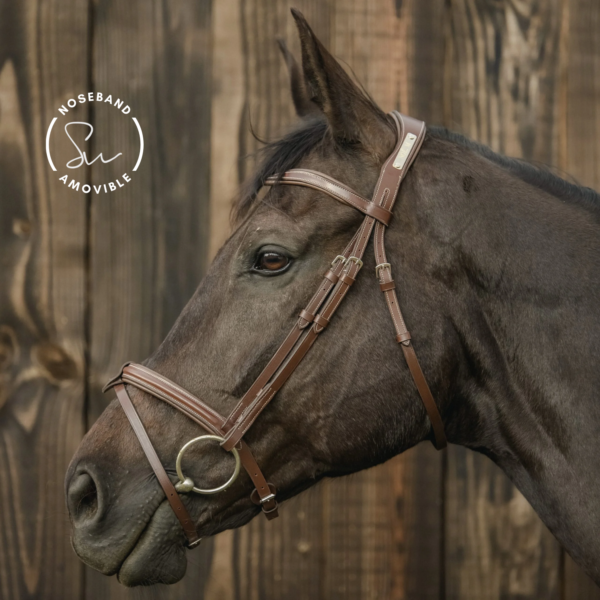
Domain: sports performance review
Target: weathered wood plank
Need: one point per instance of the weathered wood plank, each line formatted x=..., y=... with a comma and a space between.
x=496, y=546
x=577, y=585
x=227, y=110
x=581, y=160
x=42, y=298
x=150, y=238
x=583, y=92
x=503, y=88
x=502, y=75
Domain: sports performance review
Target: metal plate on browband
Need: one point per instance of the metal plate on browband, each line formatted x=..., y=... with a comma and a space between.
x=404, y=151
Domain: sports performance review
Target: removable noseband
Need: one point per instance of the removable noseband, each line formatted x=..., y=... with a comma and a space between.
x=312, y=321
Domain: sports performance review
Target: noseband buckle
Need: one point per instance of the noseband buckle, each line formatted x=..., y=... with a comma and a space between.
x=187, y=485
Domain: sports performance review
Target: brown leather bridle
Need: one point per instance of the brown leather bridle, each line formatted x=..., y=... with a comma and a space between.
x=311, y=322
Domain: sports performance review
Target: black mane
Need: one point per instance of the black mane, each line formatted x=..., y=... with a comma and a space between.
x=279, y=157
x=287, y=152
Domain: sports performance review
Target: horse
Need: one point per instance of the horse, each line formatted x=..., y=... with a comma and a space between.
x=497, y=265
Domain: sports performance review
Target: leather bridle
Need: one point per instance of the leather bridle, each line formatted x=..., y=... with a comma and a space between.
x=311, y=322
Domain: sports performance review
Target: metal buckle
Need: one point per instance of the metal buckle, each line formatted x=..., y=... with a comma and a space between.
x=267, y=498
x=185, y=484
x=356, y=261
x=194, y=544
x=382, y=266
x=338, y=258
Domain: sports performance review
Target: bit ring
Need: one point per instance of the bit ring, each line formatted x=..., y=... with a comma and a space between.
x=185, y=484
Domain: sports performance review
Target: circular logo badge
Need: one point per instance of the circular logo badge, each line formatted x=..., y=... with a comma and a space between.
x=72, y=163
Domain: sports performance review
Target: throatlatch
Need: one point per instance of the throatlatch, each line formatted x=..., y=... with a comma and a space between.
x=229, y=431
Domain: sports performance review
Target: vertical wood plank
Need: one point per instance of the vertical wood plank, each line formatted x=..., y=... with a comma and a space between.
x=503, y=75
x=150, y=238
x=496, y=546
x=503, y=88
x=42, y=297
x=581, y=160
x=583, y=92
x=577, y=585
x=362, y=536
x=227, y=109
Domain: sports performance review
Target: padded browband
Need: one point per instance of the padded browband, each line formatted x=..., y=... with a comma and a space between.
x=312, y=320
x=333, y=188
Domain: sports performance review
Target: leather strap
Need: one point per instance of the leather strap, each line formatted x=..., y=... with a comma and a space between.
x=172, y=496
x=160, y=387
x=393, y=176
x=437, y=424
x=333, y=188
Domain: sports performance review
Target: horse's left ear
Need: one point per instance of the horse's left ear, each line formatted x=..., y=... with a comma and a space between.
x=352, y=115
x=302, y=102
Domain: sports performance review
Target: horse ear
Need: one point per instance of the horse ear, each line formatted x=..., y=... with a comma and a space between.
x=302, y=103
x=352, y=115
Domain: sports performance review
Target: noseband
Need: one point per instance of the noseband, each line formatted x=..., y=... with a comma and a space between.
x=312, y=321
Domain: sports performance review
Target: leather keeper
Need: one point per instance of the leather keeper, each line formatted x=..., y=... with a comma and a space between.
x=345, y=278
x=271, y=513
x=321, y=321
x=377, y=212
x=386, y=287
x=306, y=316
x=115, y=380
x=403, y=337
x=331, y=276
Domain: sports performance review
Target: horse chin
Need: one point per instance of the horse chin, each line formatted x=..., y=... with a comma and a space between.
x=159, y=554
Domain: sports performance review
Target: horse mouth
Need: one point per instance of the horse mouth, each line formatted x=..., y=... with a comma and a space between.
x=159, y=553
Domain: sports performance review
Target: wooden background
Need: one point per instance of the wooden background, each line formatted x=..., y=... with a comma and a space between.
x=87, y=282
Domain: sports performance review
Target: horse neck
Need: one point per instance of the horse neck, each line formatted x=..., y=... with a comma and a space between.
x=510, y=277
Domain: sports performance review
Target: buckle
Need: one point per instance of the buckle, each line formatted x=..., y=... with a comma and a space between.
x=382, y=266
x=267, y=499
x=338, y=258
x=356, y=261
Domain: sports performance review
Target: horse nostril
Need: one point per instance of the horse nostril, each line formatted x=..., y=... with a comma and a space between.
x=83, y=498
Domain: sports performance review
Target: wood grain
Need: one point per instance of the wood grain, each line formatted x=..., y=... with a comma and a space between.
x=503, y=88
x=149, y=241
x=496, y=546
x=583, y=92
x=502, y=75
x=581, y=160
x=42, y=286
x=227, y=110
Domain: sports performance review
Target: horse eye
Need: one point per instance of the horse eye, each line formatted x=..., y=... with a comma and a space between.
x=271, y=262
